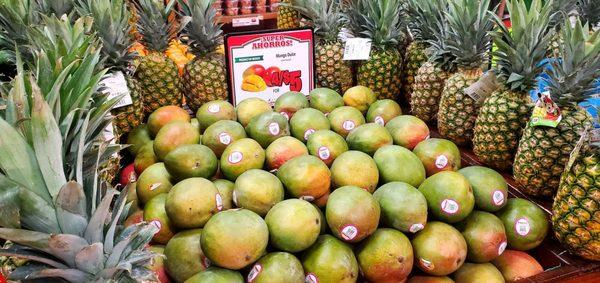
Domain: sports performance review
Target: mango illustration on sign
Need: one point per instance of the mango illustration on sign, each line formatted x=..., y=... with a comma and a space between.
x=256, y=78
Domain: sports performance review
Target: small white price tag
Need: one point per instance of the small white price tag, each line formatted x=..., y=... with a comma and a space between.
x=246, y=22
x=357, y=49
x=115, y=85
x=483, y=88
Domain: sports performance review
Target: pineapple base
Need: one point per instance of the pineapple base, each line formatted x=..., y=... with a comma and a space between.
x=204, y=80
x=499, y=126
x=427, y=90
x=128, y=117
x=458, y=111
x=544, y=151
x=332, y=71
x=575, y=212
x=382, y=73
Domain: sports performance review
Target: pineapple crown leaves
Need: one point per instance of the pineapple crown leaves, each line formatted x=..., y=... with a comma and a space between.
x=200, y=26
x=154, y=23
x=69, y=230
x=16, y=18
x=469, y=24
x=438, y=45
x=521, y=49
x=326, y=16
x=111, y=24
x=56, y=7
x=424, y=16
x=378, y=20
x=572, y=77
x=589, y=11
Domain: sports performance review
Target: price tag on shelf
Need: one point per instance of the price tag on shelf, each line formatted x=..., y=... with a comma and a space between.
x=246, y=22
x=357, y=49
x=114, y=86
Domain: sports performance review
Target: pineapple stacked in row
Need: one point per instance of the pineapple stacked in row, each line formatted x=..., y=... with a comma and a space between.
x=58, y=212
x=287, y=17
x=327, y=20
x=432, y=75
x=468, y=39
x=380, y=22
x=505, y=112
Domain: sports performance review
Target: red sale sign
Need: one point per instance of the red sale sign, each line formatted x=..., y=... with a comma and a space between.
x=268, y=64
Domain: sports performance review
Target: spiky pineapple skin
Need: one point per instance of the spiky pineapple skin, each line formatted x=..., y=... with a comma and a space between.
x=204, y=80
x=544, y=151
x=287, y=18
x=159, y=81
x=382, y=73
x=576, y=207
x=128, y=117
x=415, y=57
x=332, y=71
x=458, y=111
x=499, y=126
x=427, y=91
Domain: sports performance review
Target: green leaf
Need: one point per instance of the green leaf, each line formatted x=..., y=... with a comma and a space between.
x=91, y=258
x=9, y=203
x=95, y=230
x=71, y=209
x=47, y=143
x=32, y=239
x=17, y=160
x=110, y=234
x=32, y=256
x=71, y=275
x=37, y=214
x=66, y=246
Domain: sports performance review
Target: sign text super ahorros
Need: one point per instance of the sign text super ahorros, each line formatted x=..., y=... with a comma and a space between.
x=268, y=64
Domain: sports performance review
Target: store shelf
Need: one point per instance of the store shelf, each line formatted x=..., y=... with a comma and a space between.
x=263, y=17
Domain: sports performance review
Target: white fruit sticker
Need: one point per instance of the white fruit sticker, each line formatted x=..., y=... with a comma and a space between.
x=501, y=248
x=234, y=198
x=219, y=201
x=284, y=114
x=349, y=232
x=522, y=226
x=450, y=206
x=427, y=265
x=324, y=153
x=441, y=161
x=348, y=125
x=274, y=128
x=224, y=138
x=379, y=120
x=256, y=269
x=157, y=224
x=205, y=262
x=311, y=278
x=307, y=198
x=416, y=227
x=235, y=157
x=498, y=197
x=308, y=133
x=214, y=108
x=114, y=85
x=155, y=186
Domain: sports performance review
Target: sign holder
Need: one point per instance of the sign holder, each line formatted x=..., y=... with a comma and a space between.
x=267, y=87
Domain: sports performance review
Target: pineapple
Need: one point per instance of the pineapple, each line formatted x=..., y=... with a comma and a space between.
x=575, y=214
x=562, y=9
x=111, y=24
x=157, y=74
x=55, y=209
x=469, y=25
x=544, y=151
x=431, y=76
x=422, y=13
x=16, y=18
x=56, y=7
x=505, y=112
x=327, y=20
x=204, y=78
x=379, y=20
x=287, y=17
